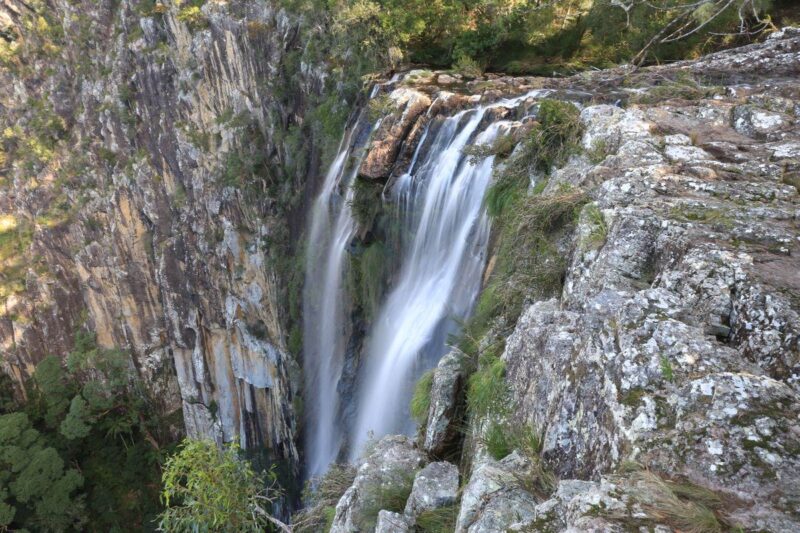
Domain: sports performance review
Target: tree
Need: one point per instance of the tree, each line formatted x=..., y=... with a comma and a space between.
x=212, y=489
x=36, y=490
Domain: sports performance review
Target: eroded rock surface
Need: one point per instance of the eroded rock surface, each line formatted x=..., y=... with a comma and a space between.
x=388, y=468
x=435, y=486
x=446, y=410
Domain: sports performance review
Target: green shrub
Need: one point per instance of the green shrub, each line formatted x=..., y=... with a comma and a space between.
x=193, y=17
x=421, y=400
x=502, y=438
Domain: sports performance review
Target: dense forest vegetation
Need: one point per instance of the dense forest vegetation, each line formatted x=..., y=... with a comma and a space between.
x=83, y=448
x=544, y=36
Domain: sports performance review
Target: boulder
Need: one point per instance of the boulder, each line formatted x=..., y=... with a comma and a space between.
x=757, y=122
x=435, y=486
x=447, y=405
x=408, y=105
x=387, y=469
x=495, y=498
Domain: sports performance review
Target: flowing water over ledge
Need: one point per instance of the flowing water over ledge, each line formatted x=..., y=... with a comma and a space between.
x=441, y=234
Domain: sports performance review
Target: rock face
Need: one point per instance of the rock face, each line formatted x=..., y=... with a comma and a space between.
x=145, y=162
x=385, y=476
x=664, y=379
x=407, y=105
x=446, y=405
x=154, y=183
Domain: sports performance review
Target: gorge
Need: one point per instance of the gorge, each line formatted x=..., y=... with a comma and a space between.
x=441, y=300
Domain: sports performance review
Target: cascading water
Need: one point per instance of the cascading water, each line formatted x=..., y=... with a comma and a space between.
x=324, y=304
x=440, y=200
x=442, y=242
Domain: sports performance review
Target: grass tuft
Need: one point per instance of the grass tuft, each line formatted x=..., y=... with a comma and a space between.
x=441, y=520
x=321, y=496
x=421, y=400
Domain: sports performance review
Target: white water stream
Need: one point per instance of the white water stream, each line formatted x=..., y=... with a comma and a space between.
x=444, y=235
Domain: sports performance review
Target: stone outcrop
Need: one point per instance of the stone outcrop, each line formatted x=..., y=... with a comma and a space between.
x=386, y=471
x=407, y=106
x=446, y=411
x=389, y=522
x=495, y=497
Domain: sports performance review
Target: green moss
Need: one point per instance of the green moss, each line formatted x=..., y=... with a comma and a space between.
x=501, y=147
x=703, y=215
x=633, y=397
x=666, y=369
x=366, y=202
x=421, y=400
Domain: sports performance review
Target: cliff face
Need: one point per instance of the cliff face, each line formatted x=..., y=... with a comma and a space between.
x=155, y=164
x=660, y=384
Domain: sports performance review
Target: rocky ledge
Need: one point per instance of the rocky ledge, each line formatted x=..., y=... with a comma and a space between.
x=664, y=379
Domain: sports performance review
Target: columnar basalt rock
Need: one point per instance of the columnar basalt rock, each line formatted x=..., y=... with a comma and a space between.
x=161, y=220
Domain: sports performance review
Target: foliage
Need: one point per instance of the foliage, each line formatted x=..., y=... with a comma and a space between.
x=192, y=16
x=367, y=277
x=598, y=228
x=421, y=400
x=502, y=438
x=212, y=489
x=37, y=490
x=501, y=147
x=93, y=416
x=487, y=392
x=666, y=369
x=536, y=36
x=552, y=139
x=391, y=496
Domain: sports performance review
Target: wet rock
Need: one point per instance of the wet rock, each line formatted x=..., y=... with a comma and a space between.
x=389, y=466
x=442, y=431
x=435, y=486
x=409, y=105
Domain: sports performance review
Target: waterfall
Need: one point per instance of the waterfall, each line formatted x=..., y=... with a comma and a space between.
x=440, y=204
x=324, y=308
x=442, y=233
